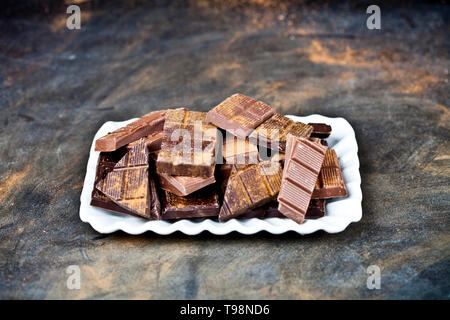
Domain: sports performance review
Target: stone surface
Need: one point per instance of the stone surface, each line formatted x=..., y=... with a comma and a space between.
x=57, y=87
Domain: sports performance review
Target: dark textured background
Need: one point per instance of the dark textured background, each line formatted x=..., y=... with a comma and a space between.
x=57, y=87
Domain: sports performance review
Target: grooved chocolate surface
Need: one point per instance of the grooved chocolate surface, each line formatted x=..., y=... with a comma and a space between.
x=251, y=187
x=239, y=114
x=144, y=126
x=330, y=183
x=188, y=145
x=302, y=166
x=272, y=132
x=127, y=184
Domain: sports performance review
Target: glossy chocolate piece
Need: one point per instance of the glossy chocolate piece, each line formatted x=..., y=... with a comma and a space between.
x=320, y=130
x=127, y=184
x=144, y=126
x=183, y=186
x=239, y=114
x=302, y=166
x=251, y=187
x=330, y=183
x=203, y=203
x=272, y=132
x=188, y=145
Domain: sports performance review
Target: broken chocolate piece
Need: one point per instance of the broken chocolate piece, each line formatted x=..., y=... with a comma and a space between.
x=302, y=166
x=239, y=151
x=188, y=145
x=330, y=183
x=203, y=203
x=272, y=132
x=127, y=184
x=144, y=126
x=239, y=114
x=183, y=186
x=316, y=209
x=251, y=187
x=320, y=130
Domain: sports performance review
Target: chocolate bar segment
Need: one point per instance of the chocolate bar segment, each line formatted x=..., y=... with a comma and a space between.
x=144, y=126
x=183, y=186
x=272, y=132
x=127, y=184
x=188, y=145
x=302, y=166
x=251, y=187
x=239, y=151
x=239, y=114
x=320, y=130
x=203, y=203
x=330, y=183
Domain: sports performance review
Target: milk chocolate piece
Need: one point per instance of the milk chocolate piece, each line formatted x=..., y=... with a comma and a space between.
x=203, y=203
x=239, y=114
x=251, y=187
x=183, y=186
x=239, y=151
x=320, y=130
x=330, y=183
x=144, y=126
x=188, y=145
x=272, y=132
x=302, y=166
x=128, y=183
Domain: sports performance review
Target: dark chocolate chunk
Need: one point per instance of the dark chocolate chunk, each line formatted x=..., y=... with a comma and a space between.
x=128, y=183
x=203, y=203
x=320, y=130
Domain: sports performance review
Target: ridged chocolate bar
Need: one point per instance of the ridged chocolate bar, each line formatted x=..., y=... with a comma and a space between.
x=330, y=183
x=188, y=145
x=239, y=114
x=144, y=126
x=320, y=130
x=302, y=166
x=203, y=203
x=127, y=184
x=251, y=187
x=272, y=132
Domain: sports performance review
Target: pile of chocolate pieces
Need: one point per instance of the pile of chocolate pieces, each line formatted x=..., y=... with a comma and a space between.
x=239, y=160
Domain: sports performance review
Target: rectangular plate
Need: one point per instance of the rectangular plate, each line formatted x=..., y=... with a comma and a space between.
x=340, y=212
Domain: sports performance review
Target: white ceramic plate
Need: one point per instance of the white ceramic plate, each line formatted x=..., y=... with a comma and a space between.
x=340, y=212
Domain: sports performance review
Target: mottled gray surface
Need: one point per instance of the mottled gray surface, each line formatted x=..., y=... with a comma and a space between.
x=57, y=87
